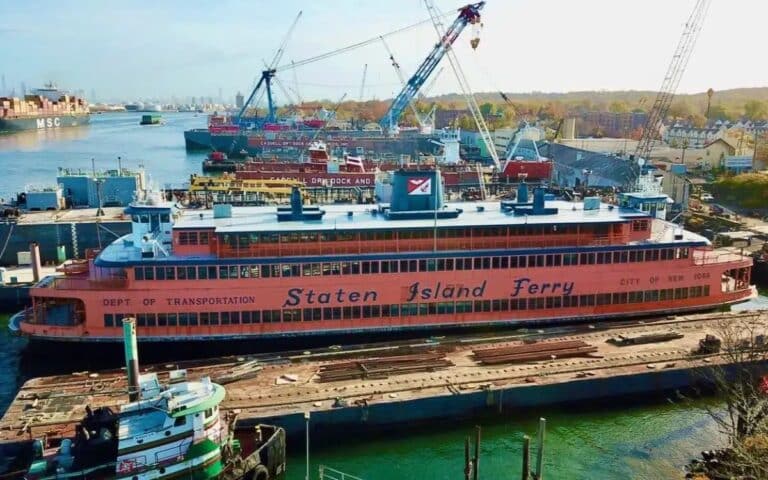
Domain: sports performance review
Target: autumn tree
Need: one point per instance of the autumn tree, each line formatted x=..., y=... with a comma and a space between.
x=755, y=110
x=743, y=416
x=618, y=106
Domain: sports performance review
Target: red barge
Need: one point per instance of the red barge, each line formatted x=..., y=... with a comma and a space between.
x=415, y=263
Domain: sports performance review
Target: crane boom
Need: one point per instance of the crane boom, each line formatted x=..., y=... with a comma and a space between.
x=474, y=108
x=362, y=83
x=396, y=66
x=467, y=14
x=269, y=73
x=671, y=80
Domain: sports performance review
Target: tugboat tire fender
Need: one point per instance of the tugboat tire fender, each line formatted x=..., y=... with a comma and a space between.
x=260, y=472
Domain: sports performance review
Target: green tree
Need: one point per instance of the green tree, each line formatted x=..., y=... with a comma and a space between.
x=487, y=109
x=618, y=106
x=755, y=110
x=680, y=109
x=718, y=112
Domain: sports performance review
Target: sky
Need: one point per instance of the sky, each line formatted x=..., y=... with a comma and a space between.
x=142, y=49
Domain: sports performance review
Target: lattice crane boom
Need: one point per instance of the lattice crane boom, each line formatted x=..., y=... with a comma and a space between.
x=468, y=14
x=671, y=80
x=474, y=108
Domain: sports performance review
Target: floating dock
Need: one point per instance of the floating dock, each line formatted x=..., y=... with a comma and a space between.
x=391, y=384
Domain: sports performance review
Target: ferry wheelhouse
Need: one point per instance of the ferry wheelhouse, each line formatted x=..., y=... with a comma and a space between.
x=414, y=263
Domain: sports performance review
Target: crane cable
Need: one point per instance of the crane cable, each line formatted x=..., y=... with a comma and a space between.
x=353, y=46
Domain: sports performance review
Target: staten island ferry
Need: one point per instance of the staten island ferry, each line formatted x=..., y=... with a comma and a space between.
x=414, y=263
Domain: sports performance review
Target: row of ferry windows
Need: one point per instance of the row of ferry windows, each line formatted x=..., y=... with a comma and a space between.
x=404, y=309
x=246, y=239
x=228, y=272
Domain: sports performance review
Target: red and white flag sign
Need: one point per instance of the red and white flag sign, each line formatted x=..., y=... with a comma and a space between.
x=419, y=186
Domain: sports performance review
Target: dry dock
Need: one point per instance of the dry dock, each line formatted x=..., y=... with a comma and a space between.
x=424, y=381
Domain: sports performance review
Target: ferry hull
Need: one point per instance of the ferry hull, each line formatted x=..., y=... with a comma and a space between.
x=48, y=122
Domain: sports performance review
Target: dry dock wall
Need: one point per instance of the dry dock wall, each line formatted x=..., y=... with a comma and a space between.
x=499, y=401
x=76, y=238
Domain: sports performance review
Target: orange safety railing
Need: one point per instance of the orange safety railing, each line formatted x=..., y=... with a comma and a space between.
x=415, y=245
x=70, y=283
x=712, y=258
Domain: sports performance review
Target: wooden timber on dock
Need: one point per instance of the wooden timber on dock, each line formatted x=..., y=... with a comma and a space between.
x=330, y=381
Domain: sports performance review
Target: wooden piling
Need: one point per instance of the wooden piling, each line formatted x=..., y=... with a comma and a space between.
x=467, y=465
x=526, y=457
x=540, y=452
x=476, y=468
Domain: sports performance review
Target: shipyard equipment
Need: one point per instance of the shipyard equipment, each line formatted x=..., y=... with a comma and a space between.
x=468, y=14
x=669, y=86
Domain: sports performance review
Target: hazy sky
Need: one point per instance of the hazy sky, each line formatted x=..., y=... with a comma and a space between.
x=161, y=48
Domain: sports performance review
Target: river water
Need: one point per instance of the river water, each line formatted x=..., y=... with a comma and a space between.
x=647, y=439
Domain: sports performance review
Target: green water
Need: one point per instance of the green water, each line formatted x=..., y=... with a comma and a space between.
x=606, y=442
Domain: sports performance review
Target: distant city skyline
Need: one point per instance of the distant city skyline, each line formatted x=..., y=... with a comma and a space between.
x=160, y=50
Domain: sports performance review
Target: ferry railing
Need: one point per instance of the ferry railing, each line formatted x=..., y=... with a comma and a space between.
x=356, y=247
x=710, y=258
x=328, y=473
x=69, y=283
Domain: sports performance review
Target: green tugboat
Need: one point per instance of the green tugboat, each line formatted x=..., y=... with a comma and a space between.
x=153, y=119
x=164, y=431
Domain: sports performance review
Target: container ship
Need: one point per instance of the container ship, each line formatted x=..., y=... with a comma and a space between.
x=47, y=108
x=415, y=263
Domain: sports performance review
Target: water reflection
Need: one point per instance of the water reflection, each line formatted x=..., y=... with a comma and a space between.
x=33, y=140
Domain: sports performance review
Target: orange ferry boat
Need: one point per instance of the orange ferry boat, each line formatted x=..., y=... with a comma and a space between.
x=415, y=263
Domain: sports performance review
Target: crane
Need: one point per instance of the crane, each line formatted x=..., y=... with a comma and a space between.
x=362, y=83
x=268, y=74
x=474, y=108
x=295, y=88
x=669, y=86
x=468, y=14
x=423, y=122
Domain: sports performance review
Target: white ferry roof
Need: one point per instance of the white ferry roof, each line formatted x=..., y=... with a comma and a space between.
x=264, y=219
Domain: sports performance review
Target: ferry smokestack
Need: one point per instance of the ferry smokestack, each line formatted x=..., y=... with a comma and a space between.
x=297, y=207
x=34, y=253
x=131, y=358
x=522, y=192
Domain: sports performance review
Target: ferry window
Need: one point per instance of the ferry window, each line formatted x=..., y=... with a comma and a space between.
x=620, y=257
x=635, y=297
x=192, y=318
x=550, y=260
x=569, y=301
x=478, y=263
x=431, y=265
x=633, y=256
x=375, y=311
x=327, y=313
x=331, y=269
x=346, y=313
x=366, y=267
x=496, y=305
x=651, y=296
x=144, y=218
x=245, y=317
x=224, y=318
x=603, y=299
x=109, y=320
x=256, y=316
x=539, y=261
x=407, y=309
x=204, y=318
x=619, y=298
x=394, y=310
x=570, y=259
x=172, y=319
x=181, y=273
x=160, y=273
x=356, y=312
x=385, y=310
x=706, y=291
x=557, y=302
x=138, y=273
x=180, y=421
x=290, y=270
x=150, y=319
x=204, y=238
x=183, y=319
x=431, y=308
x=291, y=315
x=170, y=273
x=223, y=272
x=587, y=300
x=149, y=273
x=422, y=266
x=374, y=267
x=212, y=272
x=162, y=319
x=550, y=302
x=135, y=218
x=445, y=308
x=463, y=307
x=654, y=255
